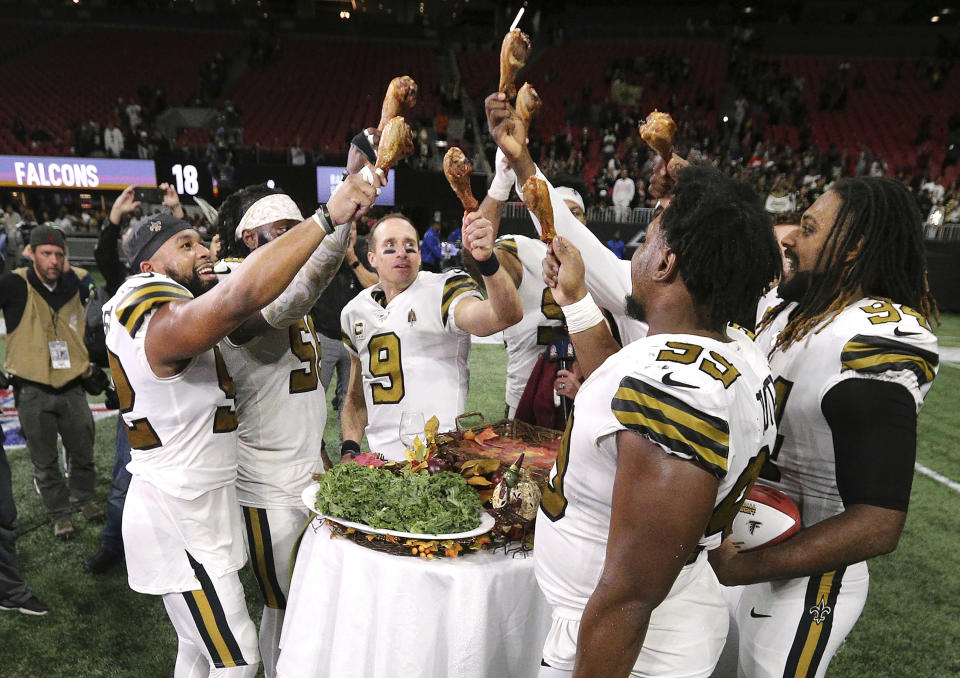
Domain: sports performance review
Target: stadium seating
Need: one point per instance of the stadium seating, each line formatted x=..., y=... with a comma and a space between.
x=884, y=115
x=320, y=88
x=80, y=74
x=313, y=89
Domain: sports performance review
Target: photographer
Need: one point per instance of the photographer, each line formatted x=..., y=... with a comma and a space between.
x=47, y=358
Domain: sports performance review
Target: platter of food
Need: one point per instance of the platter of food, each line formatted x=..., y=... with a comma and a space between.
x=411, y=506
x=486, y=522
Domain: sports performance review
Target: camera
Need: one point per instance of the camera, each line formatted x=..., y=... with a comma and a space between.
x=152, y=196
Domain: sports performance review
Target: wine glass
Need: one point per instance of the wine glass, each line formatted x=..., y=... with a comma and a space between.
x=411, y=426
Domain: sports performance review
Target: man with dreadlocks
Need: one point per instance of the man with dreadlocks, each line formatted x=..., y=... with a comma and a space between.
x=853, y=356
x=281, y=406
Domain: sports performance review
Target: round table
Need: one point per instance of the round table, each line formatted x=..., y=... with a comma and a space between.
x=354, y=612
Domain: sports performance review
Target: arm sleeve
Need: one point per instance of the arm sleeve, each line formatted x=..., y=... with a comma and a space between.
x=310, y=282
x=346, y=334
x=107, y=256
x=607, y=276
x=874, y=427
x=675, y=420
x=457, y=286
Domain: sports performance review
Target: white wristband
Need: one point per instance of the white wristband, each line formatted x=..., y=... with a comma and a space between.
x=503, y=179
x=582, y=315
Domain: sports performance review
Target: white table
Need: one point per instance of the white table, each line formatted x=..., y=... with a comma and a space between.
x=354, y=612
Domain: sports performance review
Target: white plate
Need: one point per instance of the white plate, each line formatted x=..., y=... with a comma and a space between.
x=309, y=497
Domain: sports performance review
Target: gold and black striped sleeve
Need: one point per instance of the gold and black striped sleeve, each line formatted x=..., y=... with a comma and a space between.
x=453, y=288
x=673, y=423
x=132, y=308
x=866, y=354
x=346, y=340
x=508, y=245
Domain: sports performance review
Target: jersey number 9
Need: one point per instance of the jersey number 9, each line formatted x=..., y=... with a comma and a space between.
x=385, y=362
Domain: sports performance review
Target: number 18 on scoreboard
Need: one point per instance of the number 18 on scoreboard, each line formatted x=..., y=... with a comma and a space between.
x=188, y=179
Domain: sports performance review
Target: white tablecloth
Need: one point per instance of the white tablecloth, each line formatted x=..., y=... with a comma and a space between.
x=357, y=613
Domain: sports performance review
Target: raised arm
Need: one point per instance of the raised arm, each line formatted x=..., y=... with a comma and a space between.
x=607, y=276
x=181, y=330
x=564, y=274
x=106, y=253
x=502, y=307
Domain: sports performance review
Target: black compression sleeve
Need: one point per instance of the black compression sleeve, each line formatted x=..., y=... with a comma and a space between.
x=874, y=426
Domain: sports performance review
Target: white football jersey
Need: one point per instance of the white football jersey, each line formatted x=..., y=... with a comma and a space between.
x=606, y=275
x=182, y=429
x=870, y=339
x=413, y=355
x=282, y=410
x=768, y=302
x=707, y=401
x=528, y=338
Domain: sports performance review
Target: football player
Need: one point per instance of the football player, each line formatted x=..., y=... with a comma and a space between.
x=409, y=335
x=522, y=258
x=182, y=524
x=853, y=356
x=281, y=406
x=665, y=438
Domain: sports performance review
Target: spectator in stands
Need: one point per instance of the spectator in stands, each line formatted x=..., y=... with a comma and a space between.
x=624, y=190
x=144, y=151
x=96, y=139
x=38, y=303
x=430, y=251
x=641, y=199
x=781, y=199
x=441, y=123
x=133, y=115
x=609, y=145
x=297, y=156
x=11, y=218
x=63, y=222
x=878, y=168
x=113, y=141
x=617, y=246
x=19, y=130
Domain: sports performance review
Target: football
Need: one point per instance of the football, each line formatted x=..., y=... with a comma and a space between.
x=766, y=517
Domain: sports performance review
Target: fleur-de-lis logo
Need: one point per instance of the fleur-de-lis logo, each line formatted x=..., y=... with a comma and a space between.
x=820, y=612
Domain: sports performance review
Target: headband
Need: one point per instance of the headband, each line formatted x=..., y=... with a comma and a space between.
x=567, y=193
x=364, y=144
x=266, y=210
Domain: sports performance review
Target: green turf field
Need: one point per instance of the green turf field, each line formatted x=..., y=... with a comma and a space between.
x=98, y=627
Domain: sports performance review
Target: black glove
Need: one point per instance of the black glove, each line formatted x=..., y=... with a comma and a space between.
x=96, y=382
x=112, y=401
x=349, y=449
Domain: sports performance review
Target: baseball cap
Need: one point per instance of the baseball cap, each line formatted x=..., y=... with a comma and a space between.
x=47, y=235
x=150, y=234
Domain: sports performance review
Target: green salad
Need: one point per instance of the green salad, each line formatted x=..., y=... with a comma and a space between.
x=409, y=502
